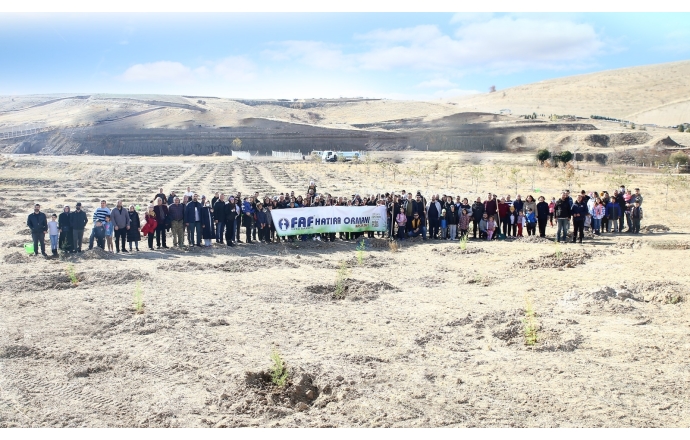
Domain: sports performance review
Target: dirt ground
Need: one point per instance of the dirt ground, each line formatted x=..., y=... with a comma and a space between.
x=431, y=335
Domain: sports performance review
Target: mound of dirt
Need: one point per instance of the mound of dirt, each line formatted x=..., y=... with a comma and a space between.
x=597, y=140
x=667, y=292
x=16, y=258
x=115, y=277
x=651, y=229
x=98, y=254
x=17, y=351
x=666, y=142
x=670, y=245
x=5, y=213
x=14, y=243
x=457, y=251
x=559, y=261
x=250, y=264
x=255, y=396
x=533, y=239
x=352, y=289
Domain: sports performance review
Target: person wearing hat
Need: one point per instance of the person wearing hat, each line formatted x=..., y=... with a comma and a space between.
x=38, y=224
x=77, y=223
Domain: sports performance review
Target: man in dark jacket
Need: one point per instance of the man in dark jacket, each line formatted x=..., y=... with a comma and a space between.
x=77, y=221
x=542, y=215
x=434, y=215
x=65, y=242
x=171, y=198
x=579, y=212
x=38, y=224
x=120, y=218
x=230, y=211
x=176, y=214
x=620, y=200
x=477, y=214
x=219, y=217
x=562, y=212
x=192, y=219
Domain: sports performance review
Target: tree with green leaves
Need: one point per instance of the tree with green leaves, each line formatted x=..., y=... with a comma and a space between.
x=678, y=158
x=237, y=144
x=565, y=156
x=543, y=155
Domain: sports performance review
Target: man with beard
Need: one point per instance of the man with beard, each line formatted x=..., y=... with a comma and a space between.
x=477, y=214
x=120, y=218
x=434, y=216
x=38, y=224
x=77, y=222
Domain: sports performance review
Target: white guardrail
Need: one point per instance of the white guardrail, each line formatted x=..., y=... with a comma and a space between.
x=287, y=155
x=241, y=155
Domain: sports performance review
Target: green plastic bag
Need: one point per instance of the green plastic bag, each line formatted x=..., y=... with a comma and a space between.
x=29, y=248
x=138, y=207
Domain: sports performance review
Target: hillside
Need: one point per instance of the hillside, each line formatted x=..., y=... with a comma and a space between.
x=654, y=94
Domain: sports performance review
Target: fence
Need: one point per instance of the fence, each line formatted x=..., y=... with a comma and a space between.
x=241, y=155
x=15, y=132
x=287, y=155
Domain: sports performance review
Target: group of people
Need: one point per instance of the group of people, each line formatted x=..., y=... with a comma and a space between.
x=221, y=218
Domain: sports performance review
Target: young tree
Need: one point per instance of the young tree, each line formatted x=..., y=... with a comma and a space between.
x=498, y=173
x=678, y=158
x=476, y=174
x=515, y=177
x=671, y=181
x=619, y=176
x=568, y=176
x=237, y=144
x=394, y=168
x=533, y=173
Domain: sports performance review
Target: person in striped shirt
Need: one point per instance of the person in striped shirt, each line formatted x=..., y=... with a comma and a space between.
x=98, y=216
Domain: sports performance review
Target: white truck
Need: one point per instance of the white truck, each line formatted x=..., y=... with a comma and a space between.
x=333, y=156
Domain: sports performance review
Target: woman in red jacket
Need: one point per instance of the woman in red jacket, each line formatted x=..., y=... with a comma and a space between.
x=149, y=228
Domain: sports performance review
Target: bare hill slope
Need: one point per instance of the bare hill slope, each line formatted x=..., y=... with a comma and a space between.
x=653, y=94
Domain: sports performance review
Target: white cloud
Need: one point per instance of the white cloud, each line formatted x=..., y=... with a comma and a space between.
x=236, y=69
x=168, y=71
x=480, y=42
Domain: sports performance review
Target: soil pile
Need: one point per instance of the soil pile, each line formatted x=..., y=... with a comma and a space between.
x=667, y=142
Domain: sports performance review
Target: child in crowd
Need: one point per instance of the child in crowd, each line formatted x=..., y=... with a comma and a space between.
x=108, y=226
x=512, y=221
x=520, y=223
x=401, y=220
x=552, y=206
x=444, y=224
x=613, y=213
x=588, y=222
x=531, y=222
x=636, y=216
x=483, y=224
x=464, y=222
x=490, y=228
x=150, y=226
x=452, y=220
x=99, y=234
x=54, y=233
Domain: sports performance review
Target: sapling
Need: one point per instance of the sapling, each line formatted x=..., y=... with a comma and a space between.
x=72, y=275
x=279, y=372
x=360, y=252
x=530, y=322
x=463, y=241
x=138, y=299
x=340, y=279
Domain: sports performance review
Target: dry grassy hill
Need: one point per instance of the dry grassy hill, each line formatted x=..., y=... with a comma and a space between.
x=654, y=94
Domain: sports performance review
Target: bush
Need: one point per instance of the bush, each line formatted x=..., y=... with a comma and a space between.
x=543, y=155
x=681, y=128
x=601, y=158
x=579, y=157
x=678, y=158
x=565, y=156
x=589, y=157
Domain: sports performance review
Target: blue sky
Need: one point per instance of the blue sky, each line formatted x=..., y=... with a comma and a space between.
x=314, y=55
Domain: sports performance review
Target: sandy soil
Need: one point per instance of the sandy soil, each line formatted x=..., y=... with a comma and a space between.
x=431, y=335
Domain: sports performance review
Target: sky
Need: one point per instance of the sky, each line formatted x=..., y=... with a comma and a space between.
x=424, y=56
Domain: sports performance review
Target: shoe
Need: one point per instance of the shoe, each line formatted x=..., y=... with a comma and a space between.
x=165, y=247
x=125, y=250
x=44, y=254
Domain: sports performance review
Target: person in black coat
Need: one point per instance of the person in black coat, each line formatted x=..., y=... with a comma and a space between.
x=65, y=240
x=579, y=212
x=161, y=210
x=542, y=215
x=77, y=222
x=230, y=212
x=207, y=231
x=134, y=231
x=477, y=214
x=219, y=218
x=38, y=224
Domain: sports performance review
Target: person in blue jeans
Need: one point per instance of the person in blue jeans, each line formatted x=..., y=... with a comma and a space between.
x=563, y=214
x=417, y=228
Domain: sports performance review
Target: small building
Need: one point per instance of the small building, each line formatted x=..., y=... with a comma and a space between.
x=505, y=111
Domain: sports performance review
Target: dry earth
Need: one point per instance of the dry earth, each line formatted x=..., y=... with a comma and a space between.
x=432, y=335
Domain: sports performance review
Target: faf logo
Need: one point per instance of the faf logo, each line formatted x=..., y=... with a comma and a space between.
x=283, y=224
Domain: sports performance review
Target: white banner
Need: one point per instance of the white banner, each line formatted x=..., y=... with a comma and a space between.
x=328, y=219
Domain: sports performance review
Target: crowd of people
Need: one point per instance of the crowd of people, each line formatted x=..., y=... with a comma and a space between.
x=202, y=221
